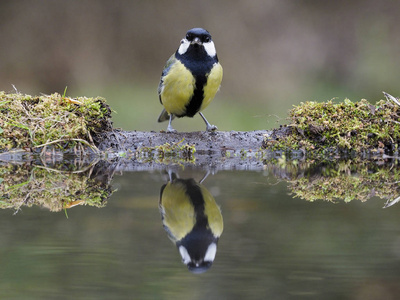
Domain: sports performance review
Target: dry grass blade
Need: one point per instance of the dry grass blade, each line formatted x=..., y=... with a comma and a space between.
x=391, y=98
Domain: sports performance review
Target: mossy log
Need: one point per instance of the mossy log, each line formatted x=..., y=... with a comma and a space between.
x=52, y=124
x=203, y=142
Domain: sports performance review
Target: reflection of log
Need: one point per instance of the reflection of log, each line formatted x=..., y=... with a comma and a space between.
x=63, y=184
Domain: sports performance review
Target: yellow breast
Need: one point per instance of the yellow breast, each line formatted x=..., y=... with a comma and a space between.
x=178, y=88
x=213, y=83
x=178, y=212
x=214, y=216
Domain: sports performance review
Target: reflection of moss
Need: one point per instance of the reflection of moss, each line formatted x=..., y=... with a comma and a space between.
x=36, y=121
x=346, y=126
x=342, y=180
x=23, y=185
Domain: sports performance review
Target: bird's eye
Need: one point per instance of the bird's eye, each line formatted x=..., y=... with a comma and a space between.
x=207, y=39
x=189, y=36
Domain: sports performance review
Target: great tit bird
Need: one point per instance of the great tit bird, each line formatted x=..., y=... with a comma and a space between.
x=190, y=79
x=192, y=220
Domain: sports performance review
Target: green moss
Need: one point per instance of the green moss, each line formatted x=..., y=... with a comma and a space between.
x=167, y=153
x=32, y=122
x=346, y=126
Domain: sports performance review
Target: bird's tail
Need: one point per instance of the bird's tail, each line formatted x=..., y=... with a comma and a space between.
x=164, y=116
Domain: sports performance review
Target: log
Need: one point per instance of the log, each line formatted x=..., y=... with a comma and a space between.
x=218, y=150
x=204, y=142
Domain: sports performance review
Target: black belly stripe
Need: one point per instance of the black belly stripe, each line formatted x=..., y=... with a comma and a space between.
x=197, y=241
x=195, y=102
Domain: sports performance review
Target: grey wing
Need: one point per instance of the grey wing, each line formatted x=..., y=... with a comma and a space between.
x=167, y=67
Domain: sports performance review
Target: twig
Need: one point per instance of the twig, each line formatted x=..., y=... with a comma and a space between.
x=15, y=89
x=93, y=147
x=390, y=97
x=390, y=203
x=82, y=170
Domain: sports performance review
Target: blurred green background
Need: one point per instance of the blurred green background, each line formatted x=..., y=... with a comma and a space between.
x=275, y=53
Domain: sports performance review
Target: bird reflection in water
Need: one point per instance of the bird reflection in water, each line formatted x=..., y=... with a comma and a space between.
x=192, y=220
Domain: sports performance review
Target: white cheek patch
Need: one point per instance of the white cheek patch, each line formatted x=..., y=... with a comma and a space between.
x=210, y=48
x=185, y=255
x=184, y=46
x=211, y=251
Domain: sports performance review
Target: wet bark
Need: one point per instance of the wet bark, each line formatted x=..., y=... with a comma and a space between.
x=120, y=150
x=204, y=142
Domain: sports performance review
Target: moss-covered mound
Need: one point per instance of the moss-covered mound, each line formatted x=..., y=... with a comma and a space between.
x=33, y=122
x=346, y=126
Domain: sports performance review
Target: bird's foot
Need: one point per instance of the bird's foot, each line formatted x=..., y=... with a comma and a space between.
x=171, y=130
x=211, y=127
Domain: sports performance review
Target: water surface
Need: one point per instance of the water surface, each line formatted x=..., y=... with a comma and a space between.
x=273, y=245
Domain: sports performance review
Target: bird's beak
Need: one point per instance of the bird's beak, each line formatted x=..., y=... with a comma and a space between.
x=196, y=41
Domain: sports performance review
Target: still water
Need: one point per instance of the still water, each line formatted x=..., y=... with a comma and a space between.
x=273, y=242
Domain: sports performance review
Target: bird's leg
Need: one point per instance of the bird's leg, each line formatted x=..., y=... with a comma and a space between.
x=169, y=128
x=205, y=176
x=209, y=126
x=172, y=176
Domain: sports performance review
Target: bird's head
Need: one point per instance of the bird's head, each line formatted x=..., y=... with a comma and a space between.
x=197, y=38
x=198, y=263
